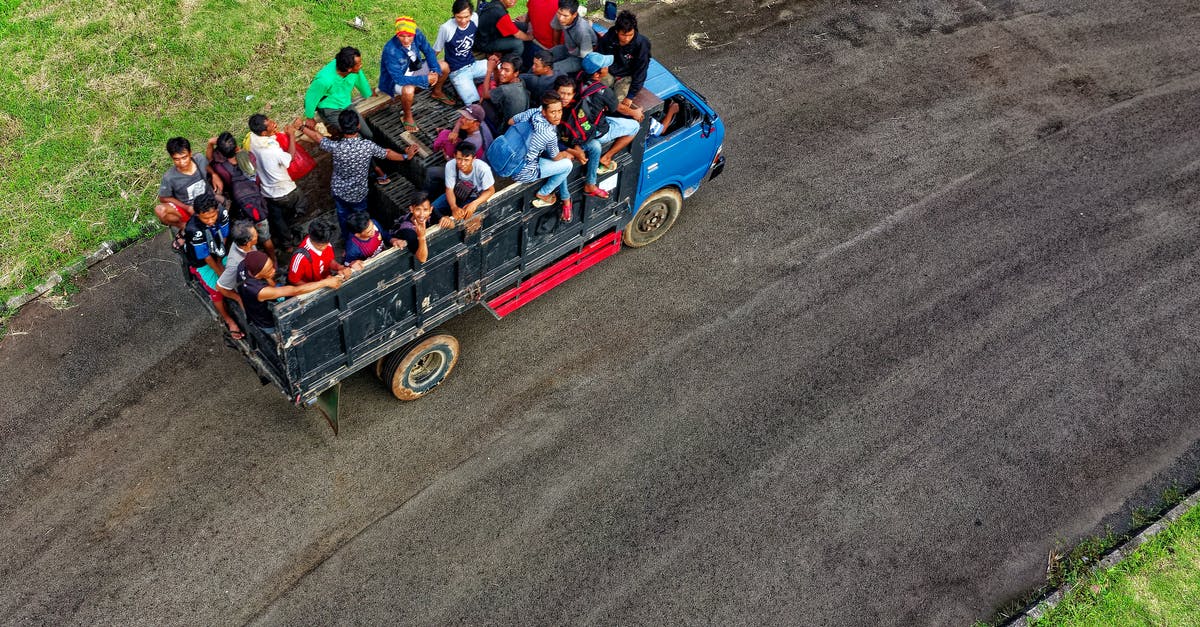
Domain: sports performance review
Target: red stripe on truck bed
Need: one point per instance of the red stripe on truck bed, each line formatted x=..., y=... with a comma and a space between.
x=556, y=274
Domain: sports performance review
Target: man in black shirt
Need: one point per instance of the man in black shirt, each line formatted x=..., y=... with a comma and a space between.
x=497, y=31
x=631, y=57
x=256, y=286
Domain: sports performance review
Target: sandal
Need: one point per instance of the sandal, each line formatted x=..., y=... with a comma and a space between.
x=382, y=179
x=412, y=127
x=236, y=333
x=543, y=201
x=566, y=211
x=598, y=193
x=605, y=169
x=444, y=99
x=177, y=241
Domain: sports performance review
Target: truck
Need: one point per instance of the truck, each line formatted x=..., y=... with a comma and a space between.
x=387, y=317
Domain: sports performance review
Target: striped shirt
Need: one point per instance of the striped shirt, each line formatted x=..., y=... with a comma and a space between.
x=542, y=141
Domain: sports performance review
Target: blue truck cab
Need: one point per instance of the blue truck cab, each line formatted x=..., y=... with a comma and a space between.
x=388, y=316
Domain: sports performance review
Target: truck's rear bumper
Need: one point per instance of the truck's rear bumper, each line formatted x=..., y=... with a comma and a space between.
x=718, y=166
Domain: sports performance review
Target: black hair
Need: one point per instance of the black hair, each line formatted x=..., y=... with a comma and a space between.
x=465, y=147
x=563, y=80
x=204, y=203
x=348, y=122
x=549, y=98
x=460, y=5
x=345, y=58
x=419, y=198
x=626, y=21
x=320, y=232
x=570, y=5
x=257, y=123
x=242, y=232
x=545, y=56
x=357, y=222
x=176, y=145
x=227, y=145
x=512, y=59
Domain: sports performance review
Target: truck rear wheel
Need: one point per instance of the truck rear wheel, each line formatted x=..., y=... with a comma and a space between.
x=654, y=218
x=414, y=371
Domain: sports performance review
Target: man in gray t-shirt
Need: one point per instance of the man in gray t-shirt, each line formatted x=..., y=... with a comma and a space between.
x=182, y=184
x=245, y=238
x=469, y=183
x=508, y=97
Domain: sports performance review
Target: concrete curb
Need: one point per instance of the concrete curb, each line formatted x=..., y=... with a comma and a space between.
x=1039, y=609
x=106, y=250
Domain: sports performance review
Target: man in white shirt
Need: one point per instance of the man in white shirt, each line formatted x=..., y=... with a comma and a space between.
x=283, y=198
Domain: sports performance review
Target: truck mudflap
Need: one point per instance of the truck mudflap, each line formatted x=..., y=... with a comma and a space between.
x=546, y=280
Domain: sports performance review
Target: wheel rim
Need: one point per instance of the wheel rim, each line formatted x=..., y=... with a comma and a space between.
x=653, y=218
x=426, y=368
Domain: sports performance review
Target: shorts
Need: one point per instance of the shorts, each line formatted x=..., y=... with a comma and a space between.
x=208, y=278
x=264, y=230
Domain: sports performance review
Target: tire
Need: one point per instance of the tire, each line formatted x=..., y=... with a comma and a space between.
x=414, y=371
x=654, y=218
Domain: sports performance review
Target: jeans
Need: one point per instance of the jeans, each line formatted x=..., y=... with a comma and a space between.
x=344, y=209
x=555, y=173
x=464, y=79
x=564, y=63
x=617, y=127
x=331, y=122
x=506, y=45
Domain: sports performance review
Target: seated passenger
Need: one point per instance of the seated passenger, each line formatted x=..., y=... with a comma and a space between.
x=256, y=287
x=206, y=235
x=497, y=31
x=657, y=128
x=470, y=127
x=508, y=97
x=248, y=203
x=578, y=37
x=599, y=109
x=408, y=62
x=631, y=57
x=543, y=159
x=182, y=184
x=410, y=229
x=469, y=183
x=455, y=40
x=367, y=238
x=313, y=260
x=244, y=237
x=541, y=75
x=332, y=90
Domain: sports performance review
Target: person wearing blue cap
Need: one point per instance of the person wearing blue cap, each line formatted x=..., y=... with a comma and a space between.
x=594, y=121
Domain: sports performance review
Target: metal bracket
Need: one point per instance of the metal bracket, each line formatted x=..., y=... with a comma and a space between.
x=329, y=404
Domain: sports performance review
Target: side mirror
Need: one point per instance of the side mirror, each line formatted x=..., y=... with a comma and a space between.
x=706, y=125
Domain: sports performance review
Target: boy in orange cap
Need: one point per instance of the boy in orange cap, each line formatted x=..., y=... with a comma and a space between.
x=408, y=62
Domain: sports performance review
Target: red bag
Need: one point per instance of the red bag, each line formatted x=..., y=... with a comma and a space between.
x=302, y=162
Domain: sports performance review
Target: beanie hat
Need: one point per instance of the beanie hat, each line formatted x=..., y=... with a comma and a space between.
x=405, y=25
x=254, y=262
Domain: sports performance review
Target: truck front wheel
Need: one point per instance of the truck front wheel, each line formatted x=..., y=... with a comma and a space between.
x=414, y=371
x=654, y=218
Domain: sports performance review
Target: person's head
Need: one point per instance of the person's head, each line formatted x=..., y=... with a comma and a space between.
x=543, y=63
x=508, y=4
x=348, y=122
x=420, y=207
x=319, y=234
x=470, y=117
x=509, y=68
x=626, y=27
x=462, y=10
x=348, y=60
x=464, y=155
x=360, y=224
x=596, y=65
x=205, y=208
x=406, y=30
x=262, y=125
x=180, y=150
x=568, y=10
x=258, y=264
x=244, y=234
x=552, y=108
x=227, y=145
x=565, y=88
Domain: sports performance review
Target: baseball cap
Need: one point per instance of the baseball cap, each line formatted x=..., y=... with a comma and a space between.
x=594, y=61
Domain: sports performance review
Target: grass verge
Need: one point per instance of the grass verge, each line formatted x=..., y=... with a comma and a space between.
x=1158, y=584
x=90, y=93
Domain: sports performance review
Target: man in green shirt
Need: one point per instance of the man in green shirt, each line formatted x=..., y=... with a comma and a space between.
x=331, y=90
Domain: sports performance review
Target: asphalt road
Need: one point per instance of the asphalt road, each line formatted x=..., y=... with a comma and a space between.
x=934, y=321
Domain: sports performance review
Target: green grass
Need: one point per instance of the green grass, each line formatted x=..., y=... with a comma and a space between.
x=1159, y=584
x=91, y=91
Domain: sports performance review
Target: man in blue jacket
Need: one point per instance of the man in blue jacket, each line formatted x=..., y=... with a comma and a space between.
x=408, y=62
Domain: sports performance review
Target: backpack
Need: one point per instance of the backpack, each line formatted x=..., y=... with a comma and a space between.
x=247, y=201
x=579, y=127
x=507, y=153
